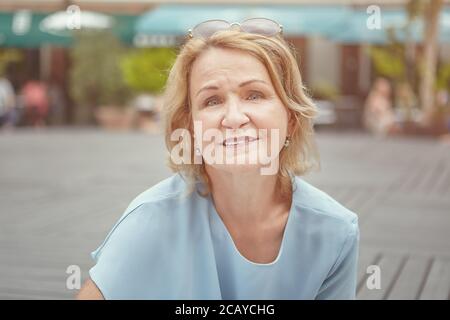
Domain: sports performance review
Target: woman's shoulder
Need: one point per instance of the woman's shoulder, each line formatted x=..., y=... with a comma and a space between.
x=317, y=202
x=333, y=227
x=164, y=198
x=167, y=189
x=137, y=223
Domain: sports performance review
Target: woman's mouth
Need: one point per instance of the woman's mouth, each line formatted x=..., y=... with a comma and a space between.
x=236, y=141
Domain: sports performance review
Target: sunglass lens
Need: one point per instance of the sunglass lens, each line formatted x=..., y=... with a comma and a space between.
x=262, y=26
x=208, y=28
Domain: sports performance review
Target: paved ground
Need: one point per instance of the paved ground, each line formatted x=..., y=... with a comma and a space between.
x=61, y=191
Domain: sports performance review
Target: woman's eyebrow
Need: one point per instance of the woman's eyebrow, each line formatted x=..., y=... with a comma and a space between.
x=250, y=81
x=213, y=87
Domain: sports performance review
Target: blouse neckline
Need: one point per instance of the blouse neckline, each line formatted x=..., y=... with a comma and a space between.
x=219, y=222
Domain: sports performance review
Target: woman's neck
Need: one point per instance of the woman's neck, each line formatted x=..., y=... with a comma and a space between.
x=246, y=197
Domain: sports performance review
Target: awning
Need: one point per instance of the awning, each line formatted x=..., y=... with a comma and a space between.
x=22, y=29
x=354, y=29
x=337, y=22
x=296, y=20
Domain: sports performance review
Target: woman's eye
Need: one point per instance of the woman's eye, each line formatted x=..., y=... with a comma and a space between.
x=215, y=100
x=211, y=102
x=254, y=95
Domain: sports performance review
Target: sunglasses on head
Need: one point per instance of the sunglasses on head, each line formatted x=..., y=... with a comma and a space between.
x=261, y=26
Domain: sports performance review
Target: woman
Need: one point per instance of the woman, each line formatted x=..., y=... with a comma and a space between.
x=230, y=229
x=36, y=104
x=379, y=116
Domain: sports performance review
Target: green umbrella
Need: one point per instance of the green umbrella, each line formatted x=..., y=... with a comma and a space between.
x=27, y=29
x=21, y=29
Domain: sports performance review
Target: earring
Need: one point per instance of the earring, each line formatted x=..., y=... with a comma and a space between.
x=287, y=142
x=197, y=151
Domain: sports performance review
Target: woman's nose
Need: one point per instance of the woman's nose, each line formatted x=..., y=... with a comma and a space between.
x=234, y=117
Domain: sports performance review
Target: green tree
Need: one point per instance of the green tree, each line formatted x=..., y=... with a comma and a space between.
x=146, y=70
x=95, y=76
x=8, y=56
x=389, y=62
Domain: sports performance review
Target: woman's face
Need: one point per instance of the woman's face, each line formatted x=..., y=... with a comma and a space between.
x=233, y=99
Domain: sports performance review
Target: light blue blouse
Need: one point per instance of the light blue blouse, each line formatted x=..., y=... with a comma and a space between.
x=172, y=245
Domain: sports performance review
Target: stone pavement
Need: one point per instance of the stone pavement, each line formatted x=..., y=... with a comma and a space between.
x=62, y=190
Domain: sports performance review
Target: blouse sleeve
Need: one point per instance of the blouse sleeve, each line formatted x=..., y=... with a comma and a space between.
x=341, y=281
x=118, y=259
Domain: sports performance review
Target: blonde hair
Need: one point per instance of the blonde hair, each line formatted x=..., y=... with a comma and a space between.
x=279, y=59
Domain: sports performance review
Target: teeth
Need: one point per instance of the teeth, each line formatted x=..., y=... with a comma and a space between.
x=233, y=142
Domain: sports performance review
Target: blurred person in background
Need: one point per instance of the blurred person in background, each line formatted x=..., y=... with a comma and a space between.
x=379, y=116
x=35, y=103
x=7, y=104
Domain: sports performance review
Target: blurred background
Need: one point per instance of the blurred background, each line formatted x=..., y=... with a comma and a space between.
x=81, y=84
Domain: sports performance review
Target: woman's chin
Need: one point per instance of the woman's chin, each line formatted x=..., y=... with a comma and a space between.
x=237, y=168
x=238, y=159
